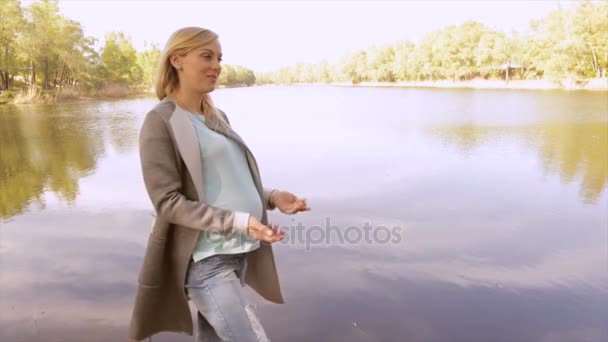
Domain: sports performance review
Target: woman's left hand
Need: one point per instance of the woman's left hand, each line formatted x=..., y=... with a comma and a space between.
x=289, y=203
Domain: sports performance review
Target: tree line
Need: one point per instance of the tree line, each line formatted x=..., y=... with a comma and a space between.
x=41, y=49
x=567, y=45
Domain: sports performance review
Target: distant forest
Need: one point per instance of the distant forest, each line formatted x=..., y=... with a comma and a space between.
x=568, y=44
x=43, y=51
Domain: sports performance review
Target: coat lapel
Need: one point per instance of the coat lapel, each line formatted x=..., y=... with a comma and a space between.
x=187, y=144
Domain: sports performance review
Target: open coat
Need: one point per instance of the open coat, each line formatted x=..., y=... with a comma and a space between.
x=171, y=167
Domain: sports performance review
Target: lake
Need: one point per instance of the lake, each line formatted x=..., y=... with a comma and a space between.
x=437, y=214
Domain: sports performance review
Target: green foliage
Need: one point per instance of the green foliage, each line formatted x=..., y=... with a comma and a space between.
x=567, y=45
x=148, y=61
x=236, y=75
x=119, y=60
x=42, y=52
x=35, y=160
x=11, y=18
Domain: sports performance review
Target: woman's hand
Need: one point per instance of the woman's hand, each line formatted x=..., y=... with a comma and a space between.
x=288, y=203
x=264, y=233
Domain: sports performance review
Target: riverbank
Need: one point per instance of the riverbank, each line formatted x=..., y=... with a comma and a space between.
x=110, y=92
x=38, y=96
x=597, y=84
x=114, y=92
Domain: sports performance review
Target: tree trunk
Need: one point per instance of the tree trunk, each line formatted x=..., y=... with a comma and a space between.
x=596, y=66
x=33, y=75
x=55, y=77
x=2, y=82
x=4, y=75
x=6, y=71
x=61, y=80
x=46, y=73
x=606, y=64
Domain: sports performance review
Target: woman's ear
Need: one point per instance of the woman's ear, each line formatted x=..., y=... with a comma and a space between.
x=176, y=61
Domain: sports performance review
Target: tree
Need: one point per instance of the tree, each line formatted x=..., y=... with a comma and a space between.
x=11, y=19
x=119, y=60
x=590, y=27
x=236, y=76
x=148, y=62
x=564, y=45
x=354, y=66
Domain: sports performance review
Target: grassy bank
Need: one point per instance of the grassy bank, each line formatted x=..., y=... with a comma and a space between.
x=112, y=91
x=108, y=92
x=600, y=84
x=119, y=91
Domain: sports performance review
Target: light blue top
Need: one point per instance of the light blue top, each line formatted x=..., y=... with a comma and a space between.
x=228, y=185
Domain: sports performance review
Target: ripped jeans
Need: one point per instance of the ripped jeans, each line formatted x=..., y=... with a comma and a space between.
x=215, y=286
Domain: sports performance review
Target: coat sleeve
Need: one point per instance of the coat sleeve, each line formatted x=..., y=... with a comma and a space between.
x=162, y=179
x=267, y=191
x=267, y=198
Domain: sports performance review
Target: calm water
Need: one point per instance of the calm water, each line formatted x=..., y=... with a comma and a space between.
x=498, y=197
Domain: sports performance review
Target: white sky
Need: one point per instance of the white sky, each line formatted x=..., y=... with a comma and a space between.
x=266, y=35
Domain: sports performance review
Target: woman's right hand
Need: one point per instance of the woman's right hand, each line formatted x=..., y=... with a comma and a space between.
x=264, y=233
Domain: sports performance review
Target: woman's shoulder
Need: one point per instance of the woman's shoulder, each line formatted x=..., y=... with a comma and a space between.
x=163, y=109
x=157, y=119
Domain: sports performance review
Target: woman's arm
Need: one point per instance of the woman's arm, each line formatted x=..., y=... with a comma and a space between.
x=162, y=179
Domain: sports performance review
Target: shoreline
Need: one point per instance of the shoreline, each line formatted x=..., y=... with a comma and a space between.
x=597, y=84
x=113, y=94
x=72, y=98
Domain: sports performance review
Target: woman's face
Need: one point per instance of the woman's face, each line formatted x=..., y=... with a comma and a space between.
x=200, y=69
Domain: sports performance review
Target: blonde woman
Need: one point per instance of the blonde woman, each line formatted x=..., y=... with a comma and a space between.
x=211, y=235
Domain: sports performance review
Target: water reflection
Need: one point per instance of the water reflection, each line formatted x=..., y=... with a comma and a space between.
x=43, y=151
x=497, y=244
x=122, y=119
x=49, y=148
x=437, y=285
x=78, y=269
x=576, y=151
x=406, y=307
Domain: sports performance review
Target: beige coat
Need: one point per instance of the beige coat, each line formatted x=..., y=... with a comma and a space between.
x=171, y=166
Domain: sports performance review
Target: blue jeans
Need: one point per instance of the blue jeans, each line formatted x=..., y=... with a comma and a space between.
x=215, y=286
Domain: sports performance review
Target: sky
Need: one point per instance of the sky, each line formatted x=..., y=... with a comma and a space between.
x=266, y=35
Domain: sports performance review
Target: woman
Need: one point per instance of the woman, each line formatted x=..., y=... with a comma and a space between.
x=211, y=234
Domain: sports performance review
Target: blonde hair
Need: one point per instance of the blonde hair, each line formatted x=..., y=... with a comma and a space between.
x=183, y=41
